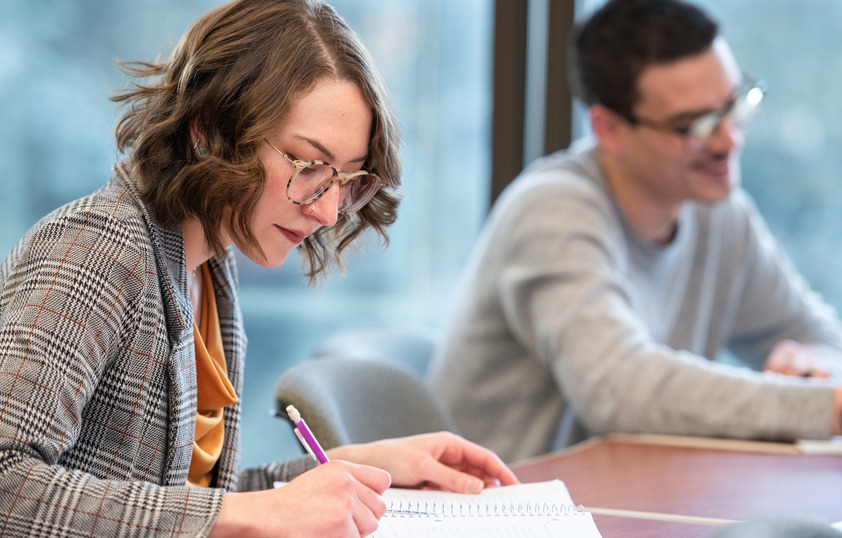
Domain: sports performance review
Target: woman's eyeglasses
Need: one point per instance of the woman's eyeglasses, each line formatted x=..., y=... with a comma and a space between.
x=311, y=179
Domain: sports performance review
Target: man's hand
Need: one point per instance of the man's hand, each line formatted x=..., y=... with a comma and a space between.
x=791, y=358
x=836, y=424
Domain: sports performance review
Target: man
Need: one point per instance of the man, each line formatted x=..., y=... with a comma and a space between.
x=610, y=277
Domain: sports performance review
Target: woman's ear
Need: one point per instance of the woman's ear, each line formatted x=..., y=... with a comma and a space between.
x=608, y=127
x=197, y=139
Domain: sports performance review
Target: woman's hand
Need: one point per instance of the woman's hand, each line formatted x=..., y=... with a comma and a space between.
x=435, y=461
x=335, y=499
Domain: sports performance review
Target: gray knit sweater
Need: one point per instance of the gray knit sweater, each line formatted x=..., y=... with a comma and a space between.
x=562, y=305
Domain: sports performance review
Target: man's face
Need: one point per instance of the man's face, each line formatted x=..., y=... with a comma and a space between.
x=667, y=166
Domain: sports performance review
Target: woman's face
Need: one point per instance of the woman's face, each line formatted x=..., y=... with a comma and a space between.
x=332, y=123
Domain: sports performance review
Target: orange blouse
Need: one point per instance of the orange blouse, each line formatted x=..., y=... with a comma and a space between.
x=214, y=389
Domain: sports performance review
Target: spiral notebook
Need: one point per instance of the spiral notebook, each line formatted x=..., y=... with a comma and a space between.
x=531, y=510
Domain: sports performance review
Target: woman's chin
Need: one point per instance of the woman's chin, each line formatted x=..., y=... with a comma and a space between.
x=270, y=261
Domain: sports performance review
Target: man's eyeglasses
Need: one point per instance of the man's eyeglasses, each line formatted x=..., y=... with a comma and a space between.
x=740, y=110
x=311, y=179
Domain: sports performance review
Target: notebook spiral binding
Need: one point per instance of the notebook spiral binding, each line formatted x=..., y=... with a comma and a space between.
x=425, y=508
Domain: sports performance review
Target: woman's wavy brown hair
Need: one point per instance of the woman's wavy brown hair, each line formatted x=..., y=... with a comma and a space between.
x=238, y=71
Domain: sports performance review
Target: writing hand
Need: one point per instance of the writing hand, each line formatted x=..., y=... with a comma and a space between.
x=338, y=498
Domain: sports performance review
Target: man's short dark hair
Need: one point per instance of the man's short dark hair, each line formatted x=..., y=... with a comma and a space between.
x=610, y=50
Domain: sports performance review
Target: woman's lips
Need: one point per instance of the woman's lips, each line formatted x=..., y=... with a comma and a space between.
x=293, y=236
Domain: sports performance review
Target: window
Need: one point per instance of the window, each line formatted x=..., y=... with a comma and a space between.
x=791, y=164
x=57, y=70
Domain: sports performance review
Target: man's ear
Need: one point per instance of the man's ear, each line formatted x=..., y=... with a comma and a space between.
x=608, y=127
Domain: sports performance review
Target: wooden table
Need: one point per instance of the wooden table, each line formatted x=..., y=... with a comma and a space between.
x=734, y=480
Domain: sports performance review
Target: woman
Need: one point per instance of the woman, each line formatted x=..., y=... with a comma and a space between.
x=121, y=339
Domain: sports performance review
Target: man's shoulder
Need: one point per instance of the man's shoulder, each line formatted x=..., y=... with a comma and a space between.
x=571, y=174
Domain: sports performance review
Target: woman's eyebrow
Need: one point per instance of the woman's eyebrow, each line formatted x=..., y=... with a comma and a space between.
x=326, y=152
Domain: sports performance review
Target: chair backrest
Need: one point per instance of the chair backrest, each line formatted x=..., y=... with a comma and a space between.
x=352, y=400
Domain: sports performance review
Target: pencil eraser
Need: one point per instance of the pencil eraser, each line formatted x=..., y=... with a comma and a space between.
x=293, y=413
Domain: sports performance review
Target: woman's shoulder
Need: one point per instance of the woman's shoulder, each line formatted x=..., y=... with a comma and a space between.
x=90, y=251
x=105, y=227
x=112, y=210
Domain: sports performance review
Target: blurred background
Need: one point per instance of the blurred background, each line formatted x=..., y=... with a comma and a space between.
x=441, y=60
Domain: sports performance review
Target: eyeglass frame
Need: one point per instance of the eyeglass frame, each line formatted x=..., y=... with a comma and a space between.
x=343, y=177
x=741, y=95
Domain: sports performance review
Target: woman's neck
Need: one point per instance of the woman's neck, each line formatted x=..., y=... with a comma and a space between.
x=195, y=248
x=195, y=253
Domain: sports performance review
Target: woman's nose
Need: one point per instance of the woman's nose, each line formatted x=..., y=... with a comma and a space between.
x=326, y=208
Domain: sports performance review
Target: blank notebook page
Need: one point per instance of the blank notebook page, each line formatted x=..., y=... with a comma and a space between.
x=531, y=510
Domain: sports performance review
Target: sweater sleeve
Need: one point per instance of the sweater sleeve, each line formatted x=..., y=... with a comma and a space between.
x=70, y=302
x=777, y=303
x=567, y=295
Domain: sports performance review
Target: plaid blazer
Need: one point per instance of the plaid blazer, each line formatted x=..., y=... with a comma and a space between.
x=97, y=377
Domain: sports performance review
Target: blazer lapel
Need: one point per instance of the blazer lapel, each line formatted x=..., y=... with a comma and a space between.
x=168, y=247
x=224, y=274
x=182, y=361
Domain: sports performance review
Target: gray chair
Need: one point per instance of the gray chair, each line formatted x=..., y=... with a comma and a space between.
x=411, y=348
x=353, y=400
